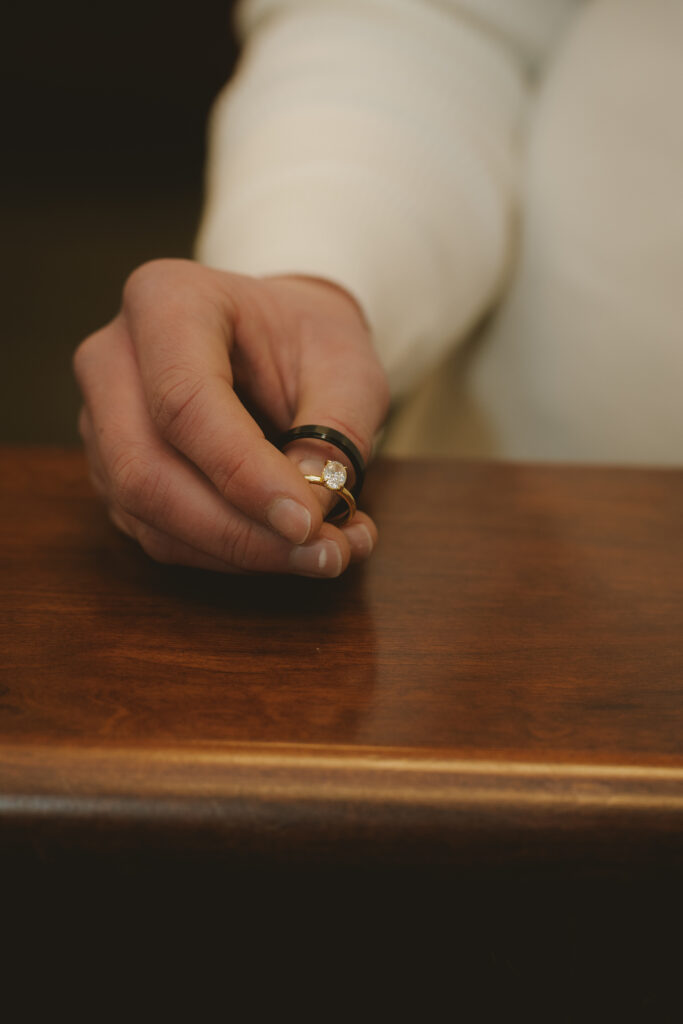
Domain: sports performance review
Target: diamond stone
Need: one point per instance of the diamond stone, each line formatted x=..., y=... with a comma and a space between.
x=334, y=475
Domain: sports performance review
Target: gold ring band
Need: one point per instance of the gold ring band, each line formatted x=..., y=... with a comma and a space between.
x=333, y=477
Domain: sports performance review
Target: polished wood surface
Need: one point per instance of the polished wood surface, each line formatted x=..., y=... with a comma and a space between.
x=502, y=682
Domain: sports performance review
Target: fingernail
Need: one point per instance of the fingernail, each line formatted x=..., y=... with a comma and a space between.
x=311, y=467
x=322, y=558
x=290, y=519
x=360, y=539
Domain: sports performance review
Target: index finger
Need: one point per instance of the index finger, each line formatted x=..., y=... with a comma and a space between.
x=182, y=330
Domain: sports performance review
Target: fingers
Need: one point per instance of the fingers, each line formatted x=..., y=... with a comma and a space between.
x=181, y=464
x=159, y=497
x=361, y=536
x=182, y=354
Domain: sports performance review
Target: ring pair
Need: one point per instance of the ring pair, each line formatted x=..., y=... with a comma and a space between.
x=334, y=474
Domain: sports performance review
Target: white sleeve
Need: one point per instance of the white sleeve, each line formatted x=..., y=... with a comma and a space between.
x=375, y=143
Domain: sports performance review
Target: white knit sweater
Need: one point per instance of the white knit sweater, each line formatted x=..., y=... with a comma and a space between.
x=386, y=144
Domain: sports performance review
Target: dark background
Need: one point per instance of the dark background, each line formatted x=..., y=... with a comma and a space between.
x=103, y=124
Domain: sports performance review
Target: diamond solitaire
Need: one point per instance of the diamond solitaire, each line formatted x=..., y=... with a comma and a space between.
x=333, y=475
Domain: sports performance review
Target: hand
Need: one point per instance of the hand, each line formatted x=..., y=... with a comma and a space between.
x=177, y=389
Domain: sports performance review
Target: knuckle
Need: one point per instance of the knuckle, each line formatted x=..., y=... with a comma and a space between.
x=176, y=400
x=136, y=482
x=228, y=470
x=83, y=357
x=155, y=544
x=79, y=359
x=239, y=546
x=147, y=278
x=170, y=287
x=361, y=443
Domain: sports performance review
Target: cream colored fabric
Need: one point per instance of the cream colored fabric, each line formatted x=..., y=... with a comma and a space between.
x=520, y=160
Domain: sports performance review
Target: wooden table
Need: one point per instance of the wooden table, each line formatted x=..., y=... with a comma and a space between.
x=501, y=685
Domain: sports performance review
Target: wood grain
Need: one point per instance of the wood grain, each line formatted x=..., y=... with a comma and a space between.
x=503, y=681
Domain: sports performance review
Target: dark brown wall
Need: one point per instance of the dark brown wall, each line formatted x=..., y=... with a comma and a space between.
x=104, y=113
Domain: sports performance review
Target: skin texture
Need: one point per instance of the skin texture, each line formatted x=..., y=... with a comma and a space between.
x=177, y=392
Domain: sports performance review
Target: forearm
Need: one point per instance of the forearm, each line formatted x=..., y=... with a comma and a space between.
x=374, y=145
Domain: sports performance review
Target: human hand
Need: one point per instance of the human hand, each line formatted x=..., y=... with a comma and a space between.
x=176, y=391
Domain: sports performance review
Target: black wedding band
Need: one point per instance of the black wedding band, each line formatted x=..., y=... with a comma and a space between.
x=333, y=437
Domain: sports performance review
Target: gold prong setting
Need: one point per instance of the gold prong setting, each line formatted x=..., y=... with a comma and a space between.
x=333, y=478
